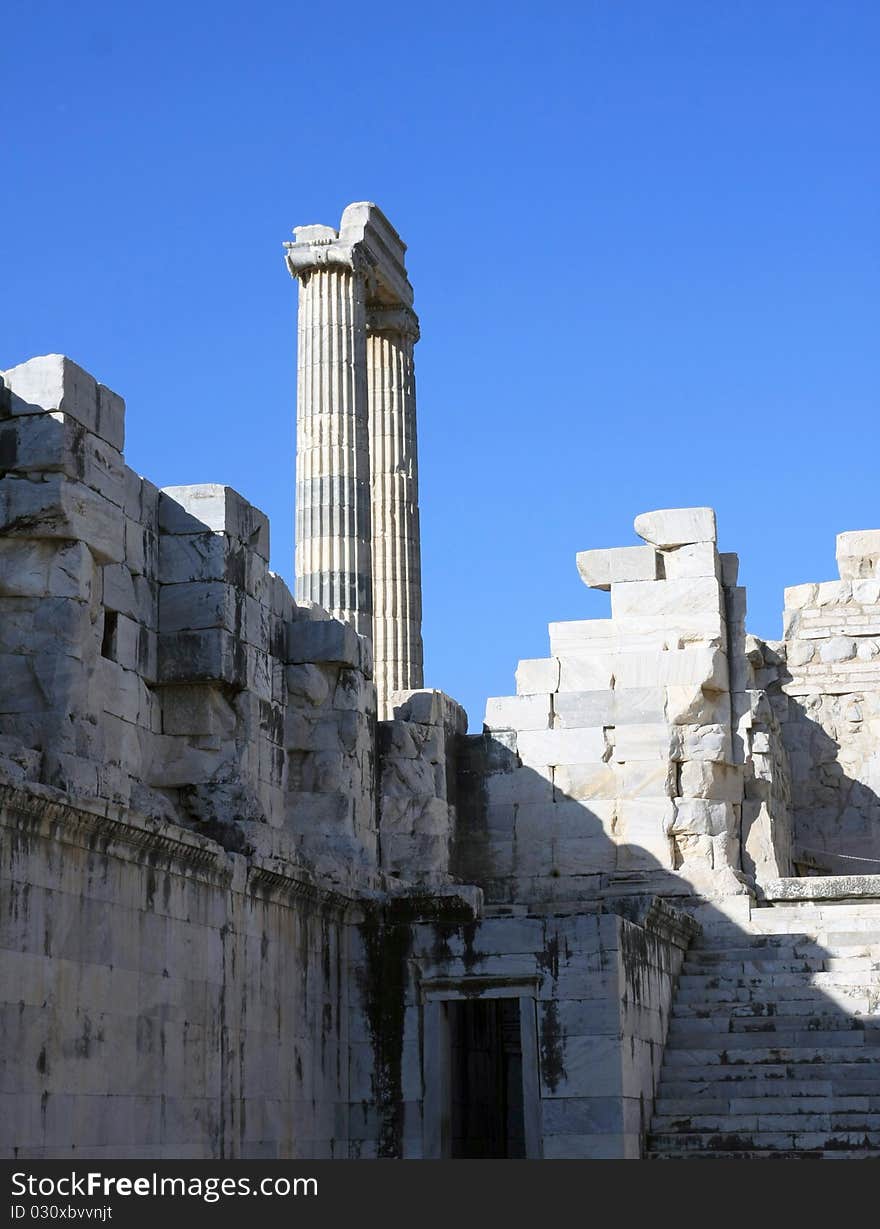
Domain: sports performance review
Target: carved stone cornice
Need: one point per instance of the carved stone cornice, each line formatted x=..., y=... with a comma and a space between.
x=114, y=830
x=393, y=318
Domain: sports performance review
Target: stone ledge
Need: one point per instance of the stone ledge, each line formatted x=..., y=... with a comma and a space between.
x=824, y=887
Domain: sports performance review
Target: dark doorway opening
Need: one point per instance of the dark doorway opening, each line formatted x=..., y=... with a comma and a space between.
x=486, y=1083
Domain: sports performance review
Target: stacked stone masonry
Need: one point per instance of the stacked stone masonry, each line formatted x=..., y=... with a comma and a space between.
x=253, y=910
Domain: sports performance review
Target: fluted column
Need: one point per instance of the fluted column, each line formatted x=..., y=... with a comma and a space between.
x=392, y=333
x=333, y=532
x=397, y=584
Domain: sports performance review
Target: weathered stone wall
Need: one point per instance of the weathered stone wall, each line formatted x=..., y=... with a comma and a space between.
x=238, y=910
x=828, y=678
x=616, y=756
x=165, y=997
x=594, y=991
x=149, y=655
x=418, y=755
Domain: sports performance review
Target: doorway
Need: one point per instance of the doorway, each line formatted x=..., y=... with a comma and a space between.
x=485, y=1079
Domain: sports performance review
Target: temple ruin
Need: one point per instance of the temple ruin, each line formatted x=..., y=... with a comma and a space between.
x=264, y=896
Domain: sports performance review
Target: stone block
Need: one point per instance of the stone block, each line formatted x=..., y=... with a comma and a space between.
x=197, y=605
x=309, y=683
x=643, y=832
x=677, y=526
x=695, y=559
x=729, y=568
x=36, y=625
x=703, y=742
x=579, y=709
x=540, y=747
x=429, y=707
x=325, y=640
x=212, y=655
x=56, y=507
x=708, y=779
x=584, y=781
x=584, y=855
x=582, y=636
x=532, y=712
x=694, y=606
x=691, y=705
x=645, y=779
x=838, y=648
x=197, y=711
x=523, y=785
x=135, y=648
x=53, y=382
x=193, y=509
x=858, y=554
x=703, y=665
x=119, y=591
x=43, y=568
x=43, y=683
x=586, y=672
x=654, y=741
x=37, y=443
x=537, y=675
x=70, y=773
x=702, y=817
x=598, y=569
x=637, y=705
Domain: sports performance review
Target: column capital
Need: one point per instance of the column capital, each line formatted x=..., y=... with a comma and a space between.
x=304, y=258
x=366, y=242
x=393, y=318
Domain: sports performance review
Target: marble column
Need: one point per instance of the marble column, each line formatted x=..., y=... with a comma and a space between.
x=392, y=332
x=333, y=565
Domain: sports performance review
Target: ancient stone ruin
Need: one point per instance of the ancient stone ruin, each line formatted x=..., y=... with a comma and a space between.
x=264, y=896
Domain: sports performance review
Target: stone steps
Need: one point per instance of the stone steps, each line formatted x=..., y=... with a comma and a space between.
x=805, y=1119
x=817, y=1006
x=720, y=1029
x=760, y=992
x=773, y=1049
x=757, y=1154
x=776, y=1074
x=749, y=1141
x=749, y=1106
x=790, y=978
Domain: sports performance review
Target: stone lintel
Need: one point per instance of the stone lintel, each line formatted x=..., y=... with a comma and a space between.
x=824, y=887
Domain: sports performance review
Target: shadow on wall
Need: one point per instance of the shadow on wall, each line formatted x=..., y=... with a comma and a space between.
x=835, y=814
x=753, y=1042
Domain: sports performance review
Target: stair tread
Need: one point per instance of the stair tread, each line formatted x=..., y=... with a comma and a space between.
x=773, y=1044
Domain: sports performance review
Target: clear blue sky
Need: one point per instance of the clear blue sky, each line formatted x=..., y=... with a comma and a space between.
x=643, y=237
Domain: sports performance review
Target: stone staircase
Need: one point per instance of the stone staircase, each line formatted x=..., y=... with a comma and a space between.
x=774, y=1042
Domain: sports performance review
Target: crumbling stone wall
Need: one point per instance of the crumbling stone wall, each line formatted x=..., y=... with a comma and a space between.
x=188, y=791
x=617, y=757
x=828, y=679
x=419, y=749
x=149, y=656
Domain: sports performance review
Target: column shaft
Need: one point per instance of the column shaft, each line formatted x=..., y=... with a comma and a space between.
x=333, y=534
x=397, y=592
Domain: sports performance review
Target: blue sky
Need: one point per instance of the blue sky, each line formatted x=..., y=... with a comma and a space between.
x=643, y=237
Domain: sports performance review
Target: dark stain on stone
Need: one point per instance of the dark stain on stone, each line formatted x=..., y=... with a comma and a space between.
x=42, y=1062
x=548, y=958
x=551, y=1047
x=383, y=988
x=470, y=957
